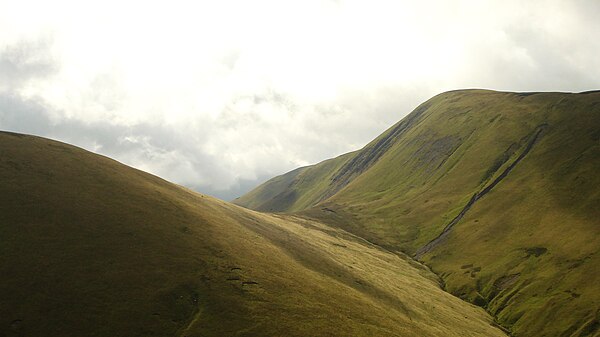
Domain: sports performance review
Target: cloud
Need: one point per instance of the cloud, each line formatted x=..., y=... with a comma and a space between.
x=160, y=149
x=220, y=100
x=24, y=61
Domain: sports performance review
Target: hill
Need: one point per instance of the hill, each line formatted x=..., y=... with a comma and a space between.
x=497, y=192
x=91, y=247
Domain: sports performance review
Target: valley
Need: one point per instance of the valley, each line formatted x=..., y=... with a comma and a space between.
x=497, y=192
x=475, y=215
x=95, y=248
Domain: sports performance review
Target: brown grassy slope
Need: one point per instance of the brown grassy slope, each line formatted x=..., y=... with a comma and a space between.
x=527, y=248
x=91, y=247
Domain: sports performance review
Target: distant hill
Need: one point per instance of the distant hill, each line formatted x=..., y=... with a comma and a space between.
x=498, y=192
x=91, y=247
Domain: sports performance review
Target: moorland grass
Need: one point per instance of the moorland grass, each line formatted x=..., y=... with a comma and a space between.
x=91, y=247
x=548, y=203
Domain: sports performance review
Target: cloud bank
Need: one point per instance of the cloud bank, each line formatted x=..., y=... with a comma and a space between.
x=219, y=96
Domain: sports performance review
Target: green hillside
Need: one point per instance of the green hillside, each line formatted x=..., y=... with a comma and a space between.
x=91, y=247
x=497, y=192
x=295, y=190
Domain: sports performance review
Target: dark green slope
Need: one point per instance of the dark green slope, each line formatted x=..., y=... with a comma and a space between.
x=497, y=192
x=91, y=247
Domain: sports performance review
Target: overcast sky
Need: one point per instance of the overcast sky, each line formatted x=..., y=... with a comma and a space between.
x=221, y=95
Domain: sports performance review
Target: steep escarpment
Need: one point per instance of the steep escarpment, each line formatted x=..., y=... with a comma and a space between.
x=498, y=193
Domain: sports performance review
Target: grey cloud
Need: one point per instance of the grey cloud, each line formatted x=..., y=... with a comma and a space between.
x=23, y=61
x=20, y=115
x=267, y=132
x=171, y=152
x=156, y=148
x=552, y=66
x=540, y=53
x=175, y=153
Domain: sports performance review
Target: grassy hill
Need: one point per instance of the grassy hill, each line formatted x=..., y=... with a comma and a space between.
x=91, y=247
x=497, y=192
x=296, y=190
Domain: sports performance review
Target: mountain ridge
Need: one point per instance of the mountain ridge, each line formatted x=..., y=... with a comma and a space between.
x=533, y=157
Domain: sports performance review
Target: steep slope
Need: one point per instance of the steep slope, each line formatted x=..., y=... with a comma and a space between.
x=498, y=193
x=91, y=247
x=296, y=190
x=307, y=186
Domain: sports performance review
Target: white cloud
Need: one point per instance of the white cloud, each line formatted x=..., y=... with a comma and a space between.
x=218, y=94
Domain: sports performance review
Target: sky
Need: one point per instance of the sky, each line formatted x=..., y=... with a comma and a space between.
x=219, y=96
